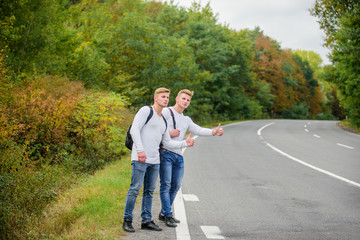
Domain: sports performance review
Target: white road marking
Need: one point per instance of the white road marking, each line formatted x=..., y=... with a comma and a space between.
x=190, y=198
x=307, y=164
x=342, y=145
x=212, y=232
x=306, y=130
x=259, y=131
x=182, y=229
x=317, y=136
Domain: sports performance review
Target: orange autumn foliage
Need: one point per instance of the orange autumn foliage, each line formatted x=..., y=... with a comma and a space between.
x=38, y=113
x=288, y=84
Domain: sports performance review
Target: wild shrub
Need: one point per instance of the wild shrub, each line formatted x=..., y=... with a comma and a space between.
x=98, y=130
x=33, y=129
x=39, y=113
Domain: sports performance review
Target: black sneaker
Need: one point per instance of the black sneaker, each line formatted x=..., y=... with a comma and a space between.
x=162, y=218
x=170, y=222
x=150, y=226
x=127, y=226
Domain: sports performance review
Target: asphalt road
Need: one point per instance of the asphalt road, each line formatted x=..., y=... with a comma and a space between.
x=270, y=179
x=250, y=191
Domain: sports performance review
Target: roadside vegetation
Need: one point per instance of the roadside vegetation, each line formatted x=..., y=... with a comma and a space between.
x=74, y=72
x=92, y=209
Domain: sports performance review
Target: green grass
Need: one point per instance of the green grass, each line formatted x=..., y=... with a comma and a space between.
x=348, y=126
x=92, y=209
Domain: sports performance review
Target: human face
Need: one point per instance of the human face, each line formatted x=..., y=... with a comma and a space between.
x=162, y=99
x=183, y=100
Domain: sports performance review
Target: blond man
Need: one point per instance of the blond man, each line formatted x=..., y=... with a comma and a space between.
x=145, y=159
x=171, y=158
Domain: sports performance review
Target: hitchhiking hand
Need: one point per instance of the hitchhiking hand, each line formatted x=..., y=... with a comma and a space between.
x=218, y=131
x=189, y=141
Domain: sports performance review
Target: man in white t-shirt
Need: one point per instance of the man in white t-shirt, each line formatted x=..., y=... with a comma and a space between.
x=145, y=159
x=171, y=158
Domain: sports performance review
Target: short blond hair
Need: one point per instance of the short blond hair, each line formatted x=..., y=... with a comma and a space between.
x=161, y=90
x=186, y=91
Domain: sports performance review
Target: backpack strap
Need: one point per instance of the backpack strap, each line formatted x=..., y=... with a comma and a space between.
x=173, y=117
x=165, y=122
x=150, y=115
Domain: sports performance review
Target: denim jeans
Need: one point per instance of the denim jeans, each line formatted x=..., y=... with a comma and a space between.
x=142, y=173
x=171, y=175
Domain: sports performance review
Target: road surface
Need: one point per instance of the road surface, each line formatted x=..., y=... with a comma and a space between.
x=269, y=179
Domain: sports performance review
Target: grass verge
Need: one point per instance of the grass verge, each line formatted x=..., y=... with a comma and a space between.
x=345, y=124
x=92, y=209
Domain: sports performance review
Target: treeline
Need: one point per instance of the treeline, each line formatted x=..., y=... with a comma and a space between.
x=73, y=72
x=133, y=47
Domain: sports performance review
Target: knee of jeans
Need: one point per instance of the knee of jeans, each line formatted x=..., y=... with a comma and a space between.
x=133, y=192
x=149, y=191
x=134, y=189
x=175, y=187
x=165, y=185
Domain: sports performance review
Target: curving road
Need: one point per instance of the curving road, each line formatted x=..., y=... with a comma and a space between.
x=272, y=179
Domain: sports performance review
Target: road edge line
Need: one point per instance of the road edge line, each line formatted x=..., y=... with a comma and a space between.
x=305, y=163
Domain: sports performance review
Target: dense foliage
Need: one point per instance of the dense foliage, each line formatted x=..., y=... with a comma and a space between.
x=73, y=72
x=340, y=21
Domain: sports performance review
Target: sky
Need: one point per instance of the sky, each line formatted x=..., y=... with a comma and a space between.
x=287, y=21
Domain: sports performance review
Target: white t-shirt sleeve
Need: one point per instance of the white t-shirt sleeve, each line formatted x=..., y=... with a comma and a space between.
x=137, y=125
x=197, y=130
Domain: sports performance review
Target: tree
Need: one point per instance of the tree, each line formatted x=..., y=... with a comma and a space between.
x=225, y=55
x=329, y=13
x=28, y=27
x=312, y=58
x=341, y=22
x=291, y=79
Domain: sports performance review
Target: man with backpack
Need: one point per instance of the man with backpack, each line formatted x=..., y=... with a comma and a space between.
x=147, y=134
x=171, y=159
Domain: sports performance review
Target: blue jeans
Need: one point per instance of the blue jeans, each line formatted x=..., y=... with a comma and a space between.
x=142, y=173
x=171, y=175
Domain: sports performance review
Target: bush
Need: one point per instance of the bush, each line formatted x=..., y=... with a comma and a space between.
x=33, y=129
x=25, y=191
x=50, y=127
x=38, y=115
x=98, y=130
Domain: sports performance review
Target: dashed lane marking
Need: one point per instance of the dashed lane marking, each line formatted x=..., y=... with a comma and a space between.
x=190, y=198
x=345, y=146
x=212, y=232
